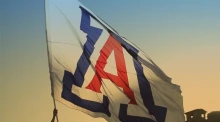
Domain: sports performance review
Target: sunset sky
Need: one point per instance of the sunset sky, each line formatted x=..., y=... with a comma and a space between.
x=181, y=37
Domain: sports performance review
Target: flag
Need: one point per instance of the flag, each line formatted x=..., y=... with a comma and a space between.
x=96, y=71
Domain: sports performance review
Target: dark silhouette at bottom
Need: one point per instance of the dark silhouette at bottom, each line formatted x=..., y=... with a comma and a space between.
x=199, y=115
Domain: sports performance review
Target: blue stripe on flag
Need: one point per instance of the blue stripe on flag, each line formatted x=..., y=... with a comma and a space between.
x=146, y=93
x=82, y=66
x=128, y=118
x=93, y=35
x=129, y=48
x=87, y=104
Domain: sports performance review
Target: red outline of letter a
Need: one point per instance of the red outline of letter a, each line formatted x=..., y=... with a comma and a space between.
x=122, y=79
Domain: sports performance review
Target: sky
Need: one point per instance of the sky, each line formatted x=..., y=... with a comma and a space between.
x=182, y=38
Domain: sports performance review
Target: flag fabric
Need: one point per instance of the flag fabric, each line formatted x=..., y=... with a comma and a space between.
x=96, y=71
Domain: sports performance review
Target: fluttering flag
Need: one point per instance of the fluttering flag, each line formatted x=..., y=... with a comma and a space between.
x=96, y=71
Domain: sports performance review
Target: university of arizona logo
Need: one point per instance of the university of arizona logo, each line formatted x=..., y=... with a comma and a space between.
x=112, y=44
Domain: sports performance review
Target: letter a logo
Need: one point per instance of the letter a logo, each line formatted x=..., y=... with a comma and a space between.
x=121, y=79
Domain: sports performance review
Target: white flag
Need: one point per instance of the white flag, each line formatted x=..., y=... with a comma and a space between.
x=95, y=70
